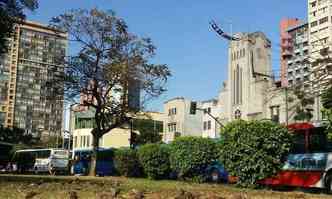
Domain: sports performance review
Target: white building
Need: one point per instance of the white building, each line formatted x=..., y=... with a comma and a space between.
x=320, y=43
x=211, y=128
x=81, y=124
x=178, y=121
x=243, y=95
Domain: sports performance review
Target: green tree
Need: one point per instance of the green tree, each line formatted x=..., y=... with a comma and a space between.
x=15, y=136
x=155, y=160
x=127, y=163
x=303, y=102
x=327, y=98
x=11, y=13
x=254, y=150
x=327, y=111
x=190, y=157
x=108, y=63
x=149, y=131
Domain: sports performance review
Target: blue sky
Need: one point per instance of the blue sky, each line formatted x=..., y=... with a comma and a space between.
x=196, y=56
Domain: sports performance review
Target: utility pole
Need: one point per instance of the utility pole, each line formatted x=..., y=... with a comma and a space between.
x=286, y=104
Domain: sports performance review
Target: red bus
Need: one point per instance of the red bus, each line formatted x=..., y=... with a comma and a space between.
x=310, y=162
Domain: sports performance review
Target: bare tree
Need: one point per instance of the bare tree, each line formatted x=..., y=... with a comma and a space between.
x=108, y=62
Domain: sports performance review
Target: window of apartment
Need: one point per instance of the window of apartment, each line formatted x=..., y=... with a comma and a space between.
x=171, y=127
x=324, y=40
x=290, y=82
x=323, y=10
x=172, y=111
x=81, y=141
x=204, y=126
x=306, y=78
x=290, y=74
x=313, y=24
x=313, y=4
x=313, y=13
x=209, y=125
x=275, y=113
x=323, y=20
x=207, y=110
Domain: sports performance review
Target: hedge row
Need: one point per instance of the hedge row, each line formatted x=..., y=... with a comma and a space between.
x=186, y=158
x=250, y=150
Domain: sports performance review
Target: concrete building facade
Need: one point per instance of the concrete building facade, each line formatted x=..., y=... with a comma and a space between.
x=298, y=66
x=320, y=46
x=82, y=122
x=27, y=71
x=179, y=122
x=285, y=46
x=211, y=128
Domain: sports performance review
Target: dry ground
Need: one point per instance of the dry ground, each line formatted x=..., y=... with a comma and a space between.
x=46, y=187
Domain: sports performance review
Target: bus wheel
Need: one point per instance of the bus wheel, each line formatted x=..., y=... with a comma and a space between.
x=328, y=183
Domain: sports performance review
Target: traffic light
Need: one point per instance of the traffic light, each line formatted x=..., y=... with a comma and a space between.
x=193, y=108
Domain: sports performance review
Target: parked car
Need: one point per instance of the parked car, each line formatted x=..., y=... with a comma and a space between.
x=216, y=173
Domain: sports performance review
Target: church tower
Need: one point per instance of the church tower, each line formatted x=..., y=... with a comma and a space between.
x=249, y=77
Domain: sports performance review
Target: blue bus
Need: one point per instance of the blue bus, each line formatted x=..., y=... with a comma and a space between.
x=81, y=162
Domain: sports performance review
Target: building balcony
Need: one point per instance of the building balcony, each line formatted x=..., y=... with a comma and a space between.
x=287, y=54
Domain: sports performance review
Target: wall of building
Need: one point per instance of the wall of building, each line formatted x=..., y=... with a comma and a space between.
x=116, y=138
x=81, y=123
x=245, y=90
x=320, y=37
x=211, y=128
x=298, y=67
x=178, y=121
x=285, y=46
x=28, y=74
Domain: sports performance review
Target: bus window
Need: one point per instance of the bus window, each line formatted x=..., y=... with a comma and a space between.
x=43, y=154
x=298, y=143
x=317, y=141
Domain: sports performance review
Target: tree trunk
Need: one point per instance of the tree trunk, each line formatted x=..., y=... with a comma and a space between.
x=94, y=156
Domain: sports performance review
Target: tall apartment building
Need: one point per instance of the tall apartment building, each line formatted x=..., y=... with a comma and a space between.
x=27, y=71
x=249, y=76
x=320, y=46
x=285, y=47
x=298, y=66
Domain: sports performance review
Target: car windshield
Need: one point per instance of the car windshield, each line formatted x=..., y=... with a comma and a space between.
x=60, y=154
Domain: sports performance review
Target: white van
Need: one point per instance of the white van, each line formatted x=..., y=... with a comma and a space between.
x=42, y=160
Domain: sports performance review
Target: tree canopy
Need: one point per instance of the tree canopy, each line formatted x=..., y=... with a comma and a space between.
x=109, y=66
x=11, y=13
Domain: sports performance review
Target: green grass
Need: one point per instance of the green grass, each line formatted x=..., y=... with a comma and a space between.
x=49, y=187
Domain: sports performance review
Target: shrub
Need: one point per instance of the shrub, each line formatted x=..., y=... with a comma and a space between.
x=155, y=160
x=254, y=150
x=126, y=163
x=190, y=156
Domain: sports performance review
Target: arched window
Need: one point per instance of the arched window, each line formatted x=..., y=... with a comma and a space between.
x=237, y=85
